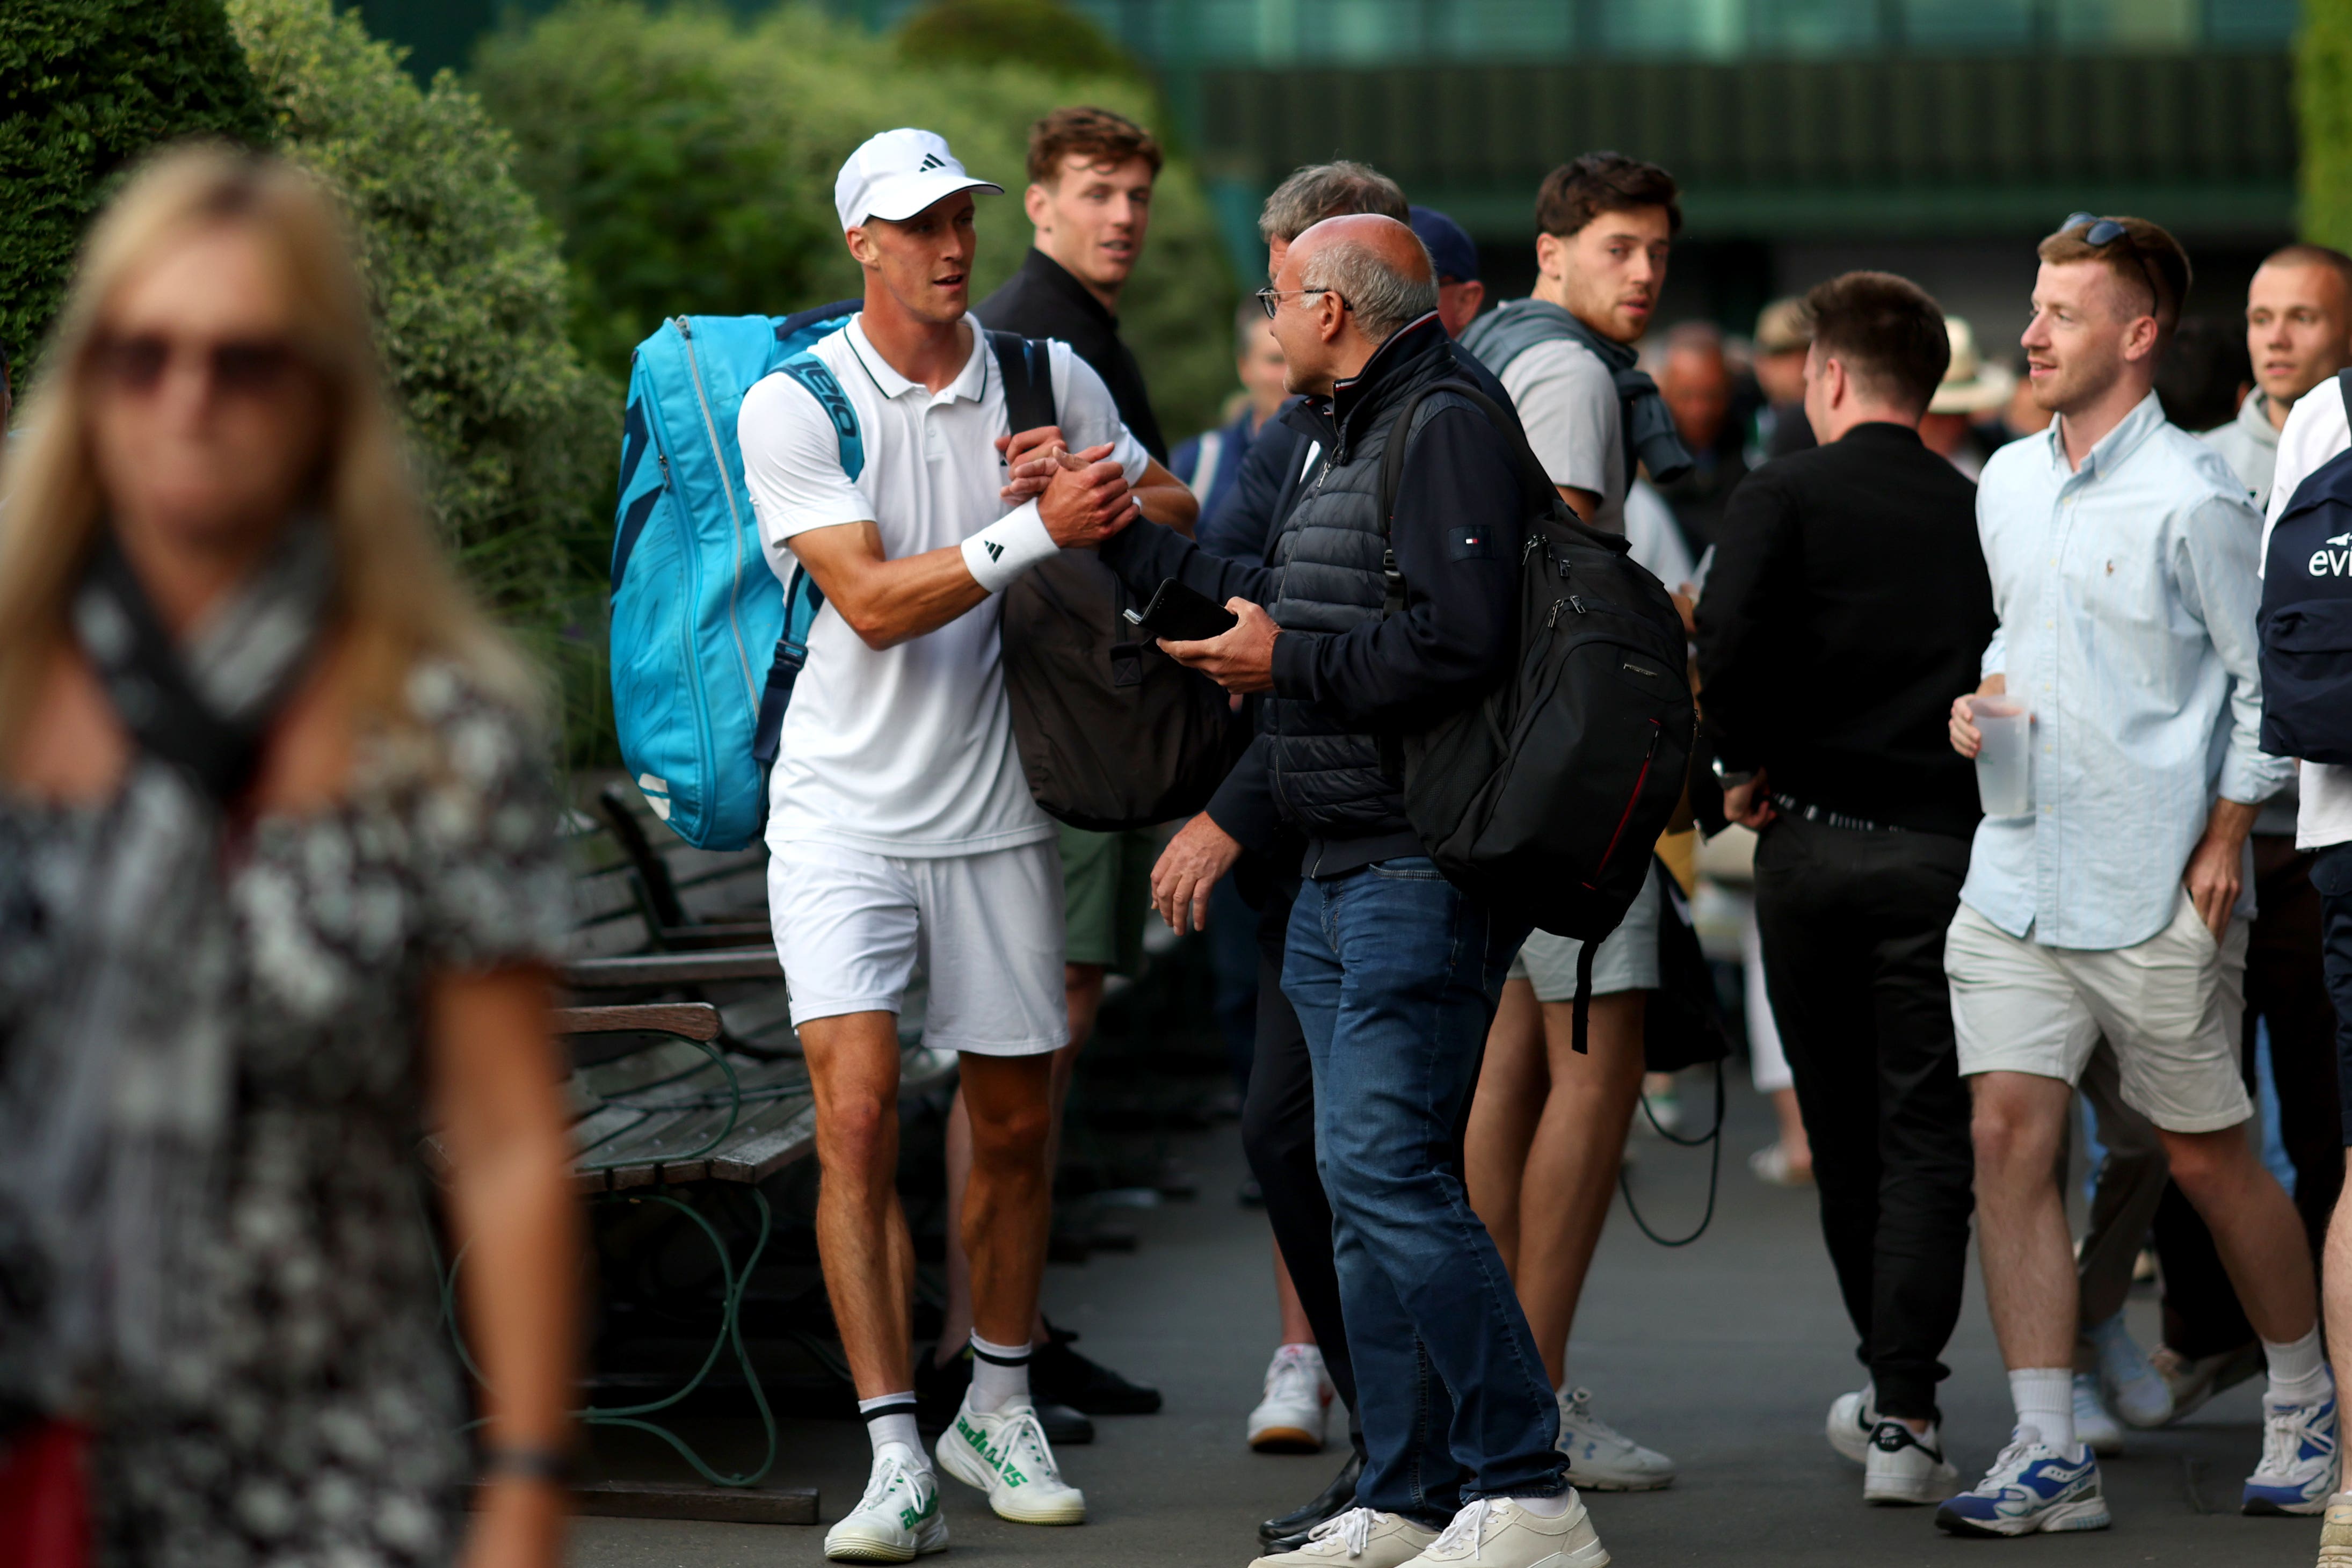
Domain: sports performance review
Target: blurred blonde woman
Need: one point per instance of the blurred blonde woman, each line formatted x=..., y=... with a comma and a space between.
x=277, y=889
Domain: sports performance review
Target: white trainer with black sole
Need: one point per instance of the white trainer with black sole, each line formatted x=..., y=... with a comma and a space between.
x=1006, y=1455
x=1495, y=1532
x=1358, y=1538
x=1907, y=1470
x=1853, y=1418
x=1289, y=1418
x=897, y=1521
x=1600, y=1457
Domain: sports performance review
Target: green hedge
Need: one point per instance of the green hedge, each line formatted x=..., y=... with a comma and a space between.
x=85, y=89
x=688, y=157
x=516, y=439
x=2323, y=90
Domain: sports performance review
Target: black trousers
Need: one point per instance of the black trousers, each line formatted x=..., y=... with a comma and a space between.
x=1278, y=1137
x=2287, y=987
x=1852, y=925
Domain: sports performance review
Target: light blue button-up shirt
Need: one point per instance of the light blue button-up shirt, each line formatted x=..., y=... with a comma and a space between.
x=2126, y=592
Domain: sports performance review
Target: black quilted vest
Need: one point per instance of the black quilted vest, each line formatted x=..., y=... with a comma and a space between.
x=1328, y=778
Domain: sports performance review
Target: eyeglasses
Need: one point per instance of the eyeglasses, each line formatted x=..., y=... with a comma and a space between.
x=2103, y=232
x=238, y=368
x=1270, y=299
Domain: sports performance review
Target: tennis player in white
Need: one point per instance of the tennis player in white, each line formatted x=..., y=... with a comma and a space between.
x=901, y=827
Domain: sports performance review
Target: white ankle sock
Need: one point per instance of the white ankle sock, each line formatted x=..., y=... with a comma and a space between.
x=999, y=1375
x=2044, y=1396
x=1543, y=1507
x=891, y=1419
x=2298, y=1371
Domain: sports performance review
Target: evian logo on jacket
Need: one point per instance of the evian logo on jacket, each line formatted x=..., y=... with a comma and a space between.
x=2335, y=560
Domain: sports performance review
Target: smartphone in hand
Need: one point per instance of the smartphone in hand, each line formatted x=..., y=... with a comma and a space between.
x=1181, y=615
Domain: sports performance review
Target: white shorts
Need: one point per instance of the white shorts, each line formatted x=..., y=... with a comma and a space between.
x=851, y=926
x=2169, y=1006
x=1628, y=959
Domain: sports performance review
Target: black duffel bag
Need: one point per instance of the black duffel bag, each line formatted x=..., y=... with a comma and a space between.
x=1545, y=798
x=1112, y=732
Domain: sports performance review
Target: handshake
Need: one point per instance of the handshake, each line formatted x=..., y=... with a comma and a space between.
x=1083, y=498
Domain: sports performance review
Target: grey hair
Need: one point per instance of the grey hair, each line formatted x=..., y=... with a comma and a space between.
x=1382, y=298
x=1319, y=191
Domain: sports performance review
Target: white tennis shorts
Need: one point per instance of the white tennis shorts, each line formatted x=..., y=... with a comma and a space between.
x=2169, y=1006
x=851, y=926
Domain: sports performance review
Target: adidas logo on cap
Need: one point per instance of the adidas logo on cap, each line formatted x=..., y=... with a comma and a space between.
x=896, y=174
x=933, y=160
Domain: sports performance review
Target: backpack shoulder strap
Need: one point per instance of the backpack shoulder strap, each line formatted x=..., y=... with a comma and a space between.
x=817, y=376
x=1533, y=481
x=1028, y=372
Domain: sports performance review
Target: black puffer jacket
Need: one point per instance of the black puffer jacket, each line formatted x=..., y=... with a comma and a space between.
x=1344, y=675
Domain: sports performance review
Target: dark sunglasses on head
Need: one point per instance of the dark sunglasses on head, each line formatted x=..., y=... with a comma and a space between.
x=2103, y=232
x=239, y=367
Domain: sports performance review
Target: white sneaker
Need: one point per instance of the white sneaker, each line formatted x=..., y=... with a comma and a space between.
x=1853, y=1417
x=1289, y=1419
x=1359, y=1538
x=2128, y=1380
x=2030, y=1487
x=1007, y=1456
x=1495, y=1532
x=1600, y=1457
x=1907, y=1470
x=2298, y=1469
x=2094, y=1427
x=897, y=1520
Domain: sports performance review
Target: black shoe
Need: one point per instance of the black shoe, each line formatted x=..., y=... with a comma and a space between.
x=1289, y=1532
x=1058, y=1372
x=939, y=1391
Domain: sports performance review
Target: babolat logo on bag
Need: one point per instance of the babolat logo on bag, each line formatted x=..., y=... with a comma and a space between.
x=2306, y=615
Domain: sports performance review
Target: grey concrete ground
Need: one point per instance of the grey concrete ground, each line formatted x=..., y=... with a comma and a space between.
x=1724, y=1354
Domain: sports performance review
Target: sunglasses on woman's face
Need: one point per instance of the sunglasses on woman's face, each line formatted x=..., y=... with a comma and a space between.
x=137, y=363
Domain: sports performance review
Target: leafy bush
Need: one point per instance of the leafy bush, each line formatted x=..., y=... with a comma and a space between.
x=515, y=436
x=1047, y=35
x=688, y=157
x=84, y=90
x=2323, y=91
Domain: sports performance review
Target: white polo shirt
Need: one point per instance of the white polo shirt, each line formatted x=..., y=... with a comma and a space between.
x=907, y=750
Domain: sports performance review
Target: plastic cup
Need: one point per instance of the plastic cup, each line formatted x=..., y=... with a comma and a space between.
x=2005, y=760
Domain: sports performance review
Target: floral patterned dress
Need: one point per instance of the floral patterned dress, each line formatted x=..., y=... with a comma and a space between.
x=322, y=1427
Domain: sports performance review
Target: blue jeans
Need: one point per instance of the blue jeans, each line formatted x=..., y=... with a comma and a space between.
x=1395, y=973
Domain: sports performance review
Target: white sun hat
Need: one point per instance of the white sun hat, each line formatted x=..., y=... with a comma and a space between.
x=1973, y=385
x=896, y=174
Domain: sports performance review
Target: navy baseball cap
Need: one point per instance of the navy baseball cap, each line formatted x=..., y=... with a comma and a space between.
x=1449, y=249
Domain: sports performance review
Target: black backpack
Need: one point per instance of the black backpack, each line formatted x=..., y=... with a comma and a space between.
x=2306, y=615
x=1112, y=732
x=1545, y=799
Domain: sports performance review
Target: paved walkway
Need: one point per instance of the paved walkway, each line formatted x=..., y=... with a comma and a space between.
x=1724, y=1354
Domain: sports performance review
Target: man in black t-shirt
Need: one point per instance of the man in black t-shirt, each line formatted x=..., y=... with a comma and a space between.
x=1849, y=600
x=1089, y=198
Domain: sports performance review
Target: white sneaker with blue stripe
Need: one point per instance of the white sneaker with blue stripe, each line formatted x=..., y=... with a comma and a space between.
x=2030, y=1487
x=2298, y=1469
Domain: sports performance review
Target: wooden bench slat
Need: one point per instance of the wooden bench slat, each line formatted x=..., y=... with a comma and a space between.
x=693, y=1020
x=673, y=968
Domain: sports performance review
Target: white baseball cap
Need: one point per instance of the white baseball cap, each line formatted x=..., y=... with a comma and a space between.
x=896, y=174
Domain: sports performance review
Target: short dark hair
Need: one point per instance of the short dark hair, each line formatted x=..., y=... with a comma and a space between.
x=1336, y=189
x=1095, y=134
x=2200, y=375
x=2145, y=256
x=2302, y=253
x=1887, y=332
x=1575, y=193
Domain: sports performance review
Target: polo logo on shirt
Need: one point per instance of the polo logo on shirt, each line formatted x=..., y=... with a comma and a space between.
x=995, y=551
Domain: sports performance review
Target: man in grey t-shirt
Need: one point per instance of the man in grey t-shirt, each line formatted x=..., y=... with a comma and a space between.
x=1606, y=223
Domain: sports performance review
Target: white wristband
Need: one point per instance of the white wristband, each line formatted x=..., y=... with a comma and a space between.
x=1008, y=547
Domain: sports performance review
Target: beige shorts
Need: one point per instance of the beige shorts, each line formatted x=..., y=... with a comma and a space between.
x=2169, y=1006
